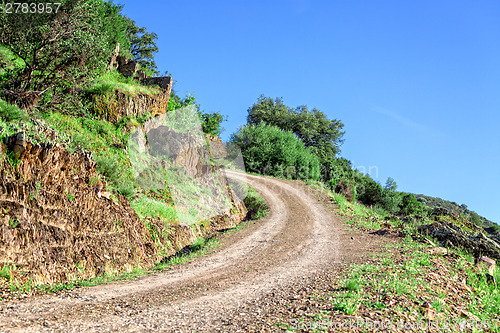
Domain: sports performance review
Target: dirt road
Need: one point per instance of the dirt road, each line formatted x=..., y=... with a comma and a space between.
x=299, y=239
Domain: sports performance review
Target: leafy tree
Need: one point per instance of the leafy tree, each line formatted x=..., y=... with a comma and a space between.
x=390, y=199
x=211, y=123
x=143, y=47
x=390, y=184
x=58, y=50
x=370, y=191
x=312, y=127
x=270, y=150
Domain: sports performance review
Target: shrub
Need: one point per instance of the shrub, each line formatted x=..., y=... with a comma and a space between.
x=9, y=112
x=410, y=205
x=391, y=200
x=347, y=190
x=116, y=173
x=371, y=193
x=270, y=150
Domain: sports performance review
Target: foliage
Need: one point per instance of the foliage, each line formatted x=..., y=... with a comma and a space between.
x=358, y=213
x=147, y=207
x=175, y=102
x=105, y=139
x=461, y=210
x=410, y=206
x=116, y=173
x=256, y=205
x=109, y=82
x=211, y=123
x=372, y=193
x=142, y=47
x=391, y=199
x=269, y=150
x=59, y=50
x=312, y=127
x=404, y=278
x=9, y=112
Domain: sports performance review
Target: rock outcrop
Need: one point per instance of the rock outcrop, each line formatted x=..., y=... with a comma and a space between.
x=55, y=225
x=120, y=104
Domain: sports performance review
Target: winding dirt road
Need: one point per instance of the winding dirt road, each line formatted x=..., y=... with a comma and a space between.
x=299, y=238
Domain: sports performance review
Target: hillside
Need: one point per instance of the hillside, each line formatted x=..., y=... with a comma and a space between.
x=460, y=210
x=106, y=172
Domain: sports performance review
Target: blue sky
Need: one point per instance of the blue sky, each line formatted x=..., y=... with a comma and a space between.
x=416, y=83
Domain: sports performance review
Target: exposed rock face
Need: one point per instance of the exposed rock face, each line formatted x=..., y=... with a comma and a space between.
x=127, y=67
x=55, y=226
x=182, y=149
x=449, y=234
x=164, y=82
x=113, y=63
x=121, y=105
x=217, y=148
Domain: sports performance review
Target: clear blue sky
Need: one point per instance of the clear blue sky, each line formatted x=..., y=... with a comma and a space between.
x=416, y=83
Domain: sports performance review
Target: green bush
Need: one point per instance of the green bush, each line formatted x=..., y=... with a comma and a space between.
x=9, y=112
x=370, y=191
x=410, y=205
x=272, y=151
x=391, y=201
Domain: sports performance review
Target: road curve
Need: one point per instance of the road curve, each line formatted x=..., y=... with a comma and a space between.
x=298, y=238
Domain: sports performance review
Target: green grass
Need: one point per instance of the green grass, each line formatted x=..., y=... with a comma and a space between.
x=105, y=139
x=256, y=205
x=398, y=284
x=147, y=207
x=5, y=272
x=361, y=215
x=13, y=222
x=113, y=80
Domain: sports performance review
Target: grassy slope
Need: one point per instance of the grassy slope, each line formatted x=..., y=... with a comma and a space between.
x=410, y=283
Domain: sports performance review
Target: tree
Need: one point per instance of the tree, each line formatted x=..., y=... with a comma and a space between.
x=143, y=47
x=370, y=191
x=390, y=184
x=312, y=127
x=58, y=50
x=391, y=199
x=211, y=123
